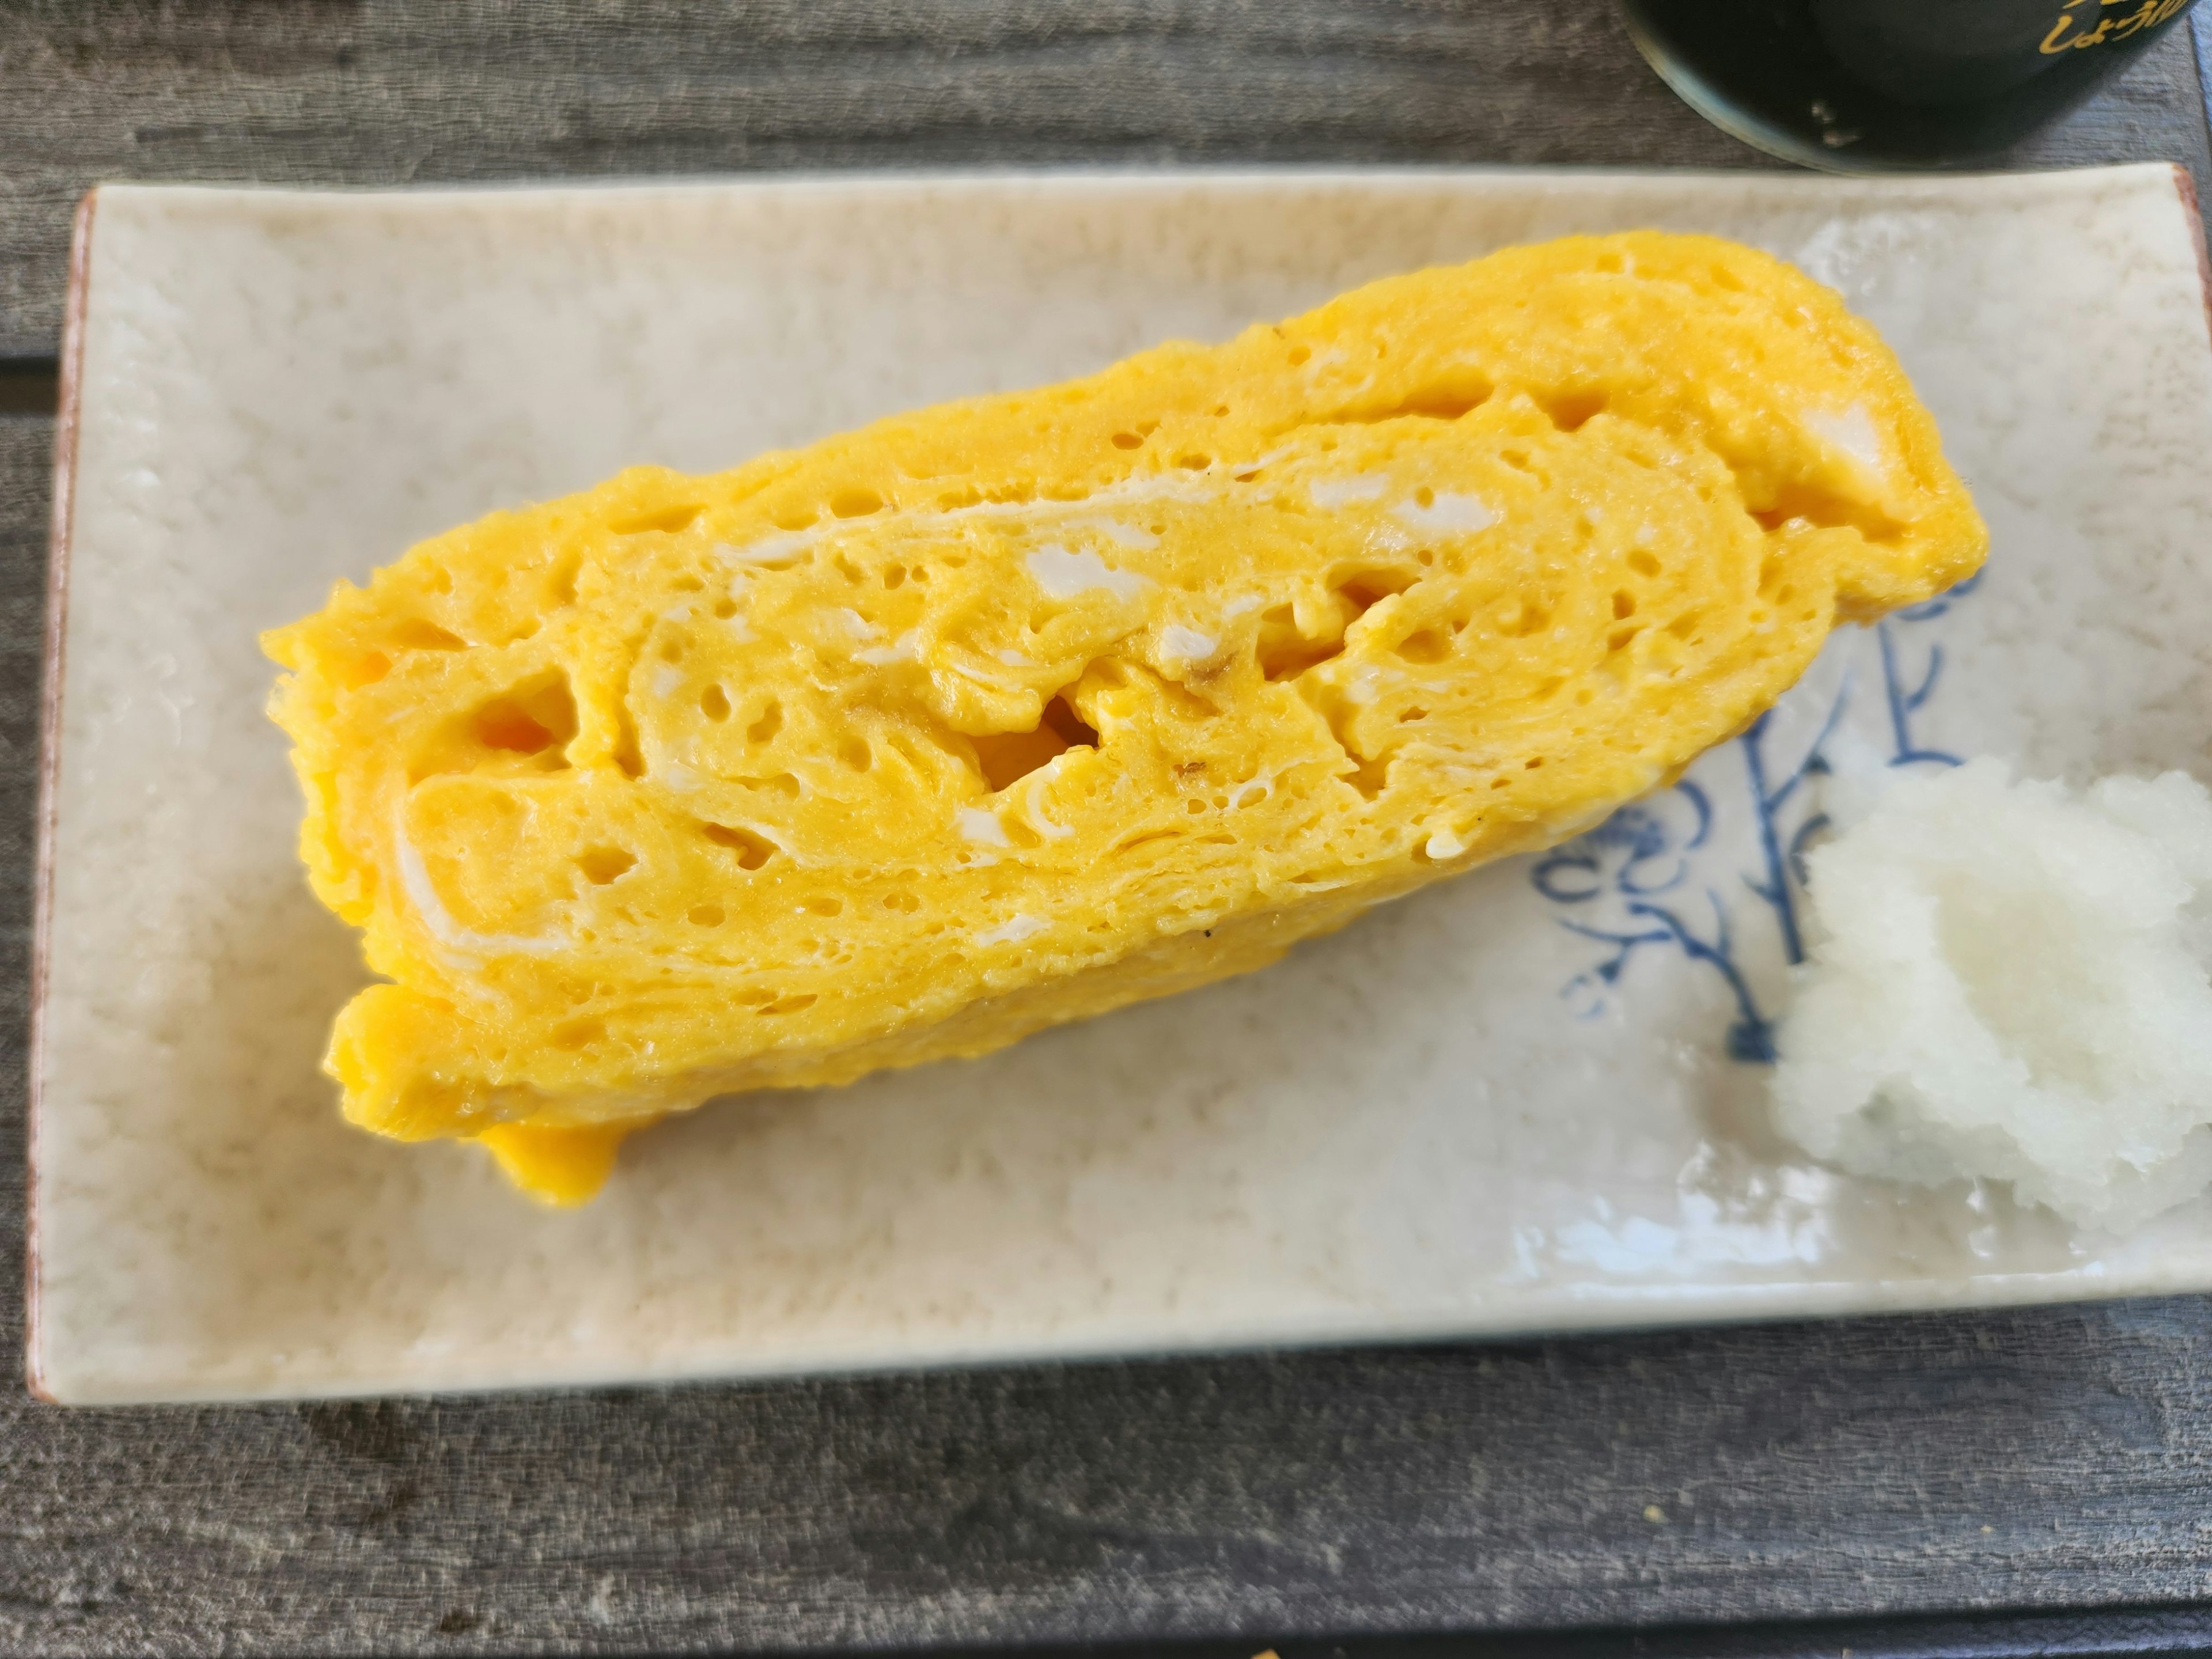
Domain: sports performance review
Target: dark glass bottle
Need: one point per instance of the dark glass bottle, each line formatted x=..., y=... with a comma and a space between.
x=1865, y=86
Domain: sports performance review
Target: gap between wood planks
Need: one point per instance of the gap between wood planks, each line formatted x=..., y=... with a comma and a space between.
x=29, y=386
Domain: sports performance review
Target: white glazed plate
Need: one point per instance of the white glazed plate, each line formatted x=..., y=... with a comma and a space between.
x=1528, y=1101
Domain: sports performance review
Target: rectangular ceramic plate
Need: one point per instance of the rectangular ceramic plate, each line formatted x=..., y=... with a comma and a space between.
x=1511, y=1104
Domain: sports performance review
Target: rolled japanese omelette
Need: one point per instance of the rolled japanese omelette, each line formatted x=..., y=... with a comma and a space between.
x=1021, y=708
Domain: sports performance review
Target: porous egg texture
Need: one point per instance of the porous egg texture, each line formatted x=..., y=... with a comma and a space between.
x=1018, y=709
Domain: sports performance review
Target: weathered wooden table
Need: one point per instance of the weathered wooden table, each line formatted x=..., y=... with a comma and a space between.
x=1876, y=1471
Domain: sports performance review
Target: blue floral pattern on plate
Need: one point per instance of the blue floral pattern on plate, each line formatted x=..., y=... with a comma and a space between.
x=1645, y=878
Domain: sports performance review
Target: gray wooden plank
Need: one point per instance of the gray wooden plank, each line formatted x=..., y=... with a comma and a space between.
x=415, y=91
x=2028, y=1459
